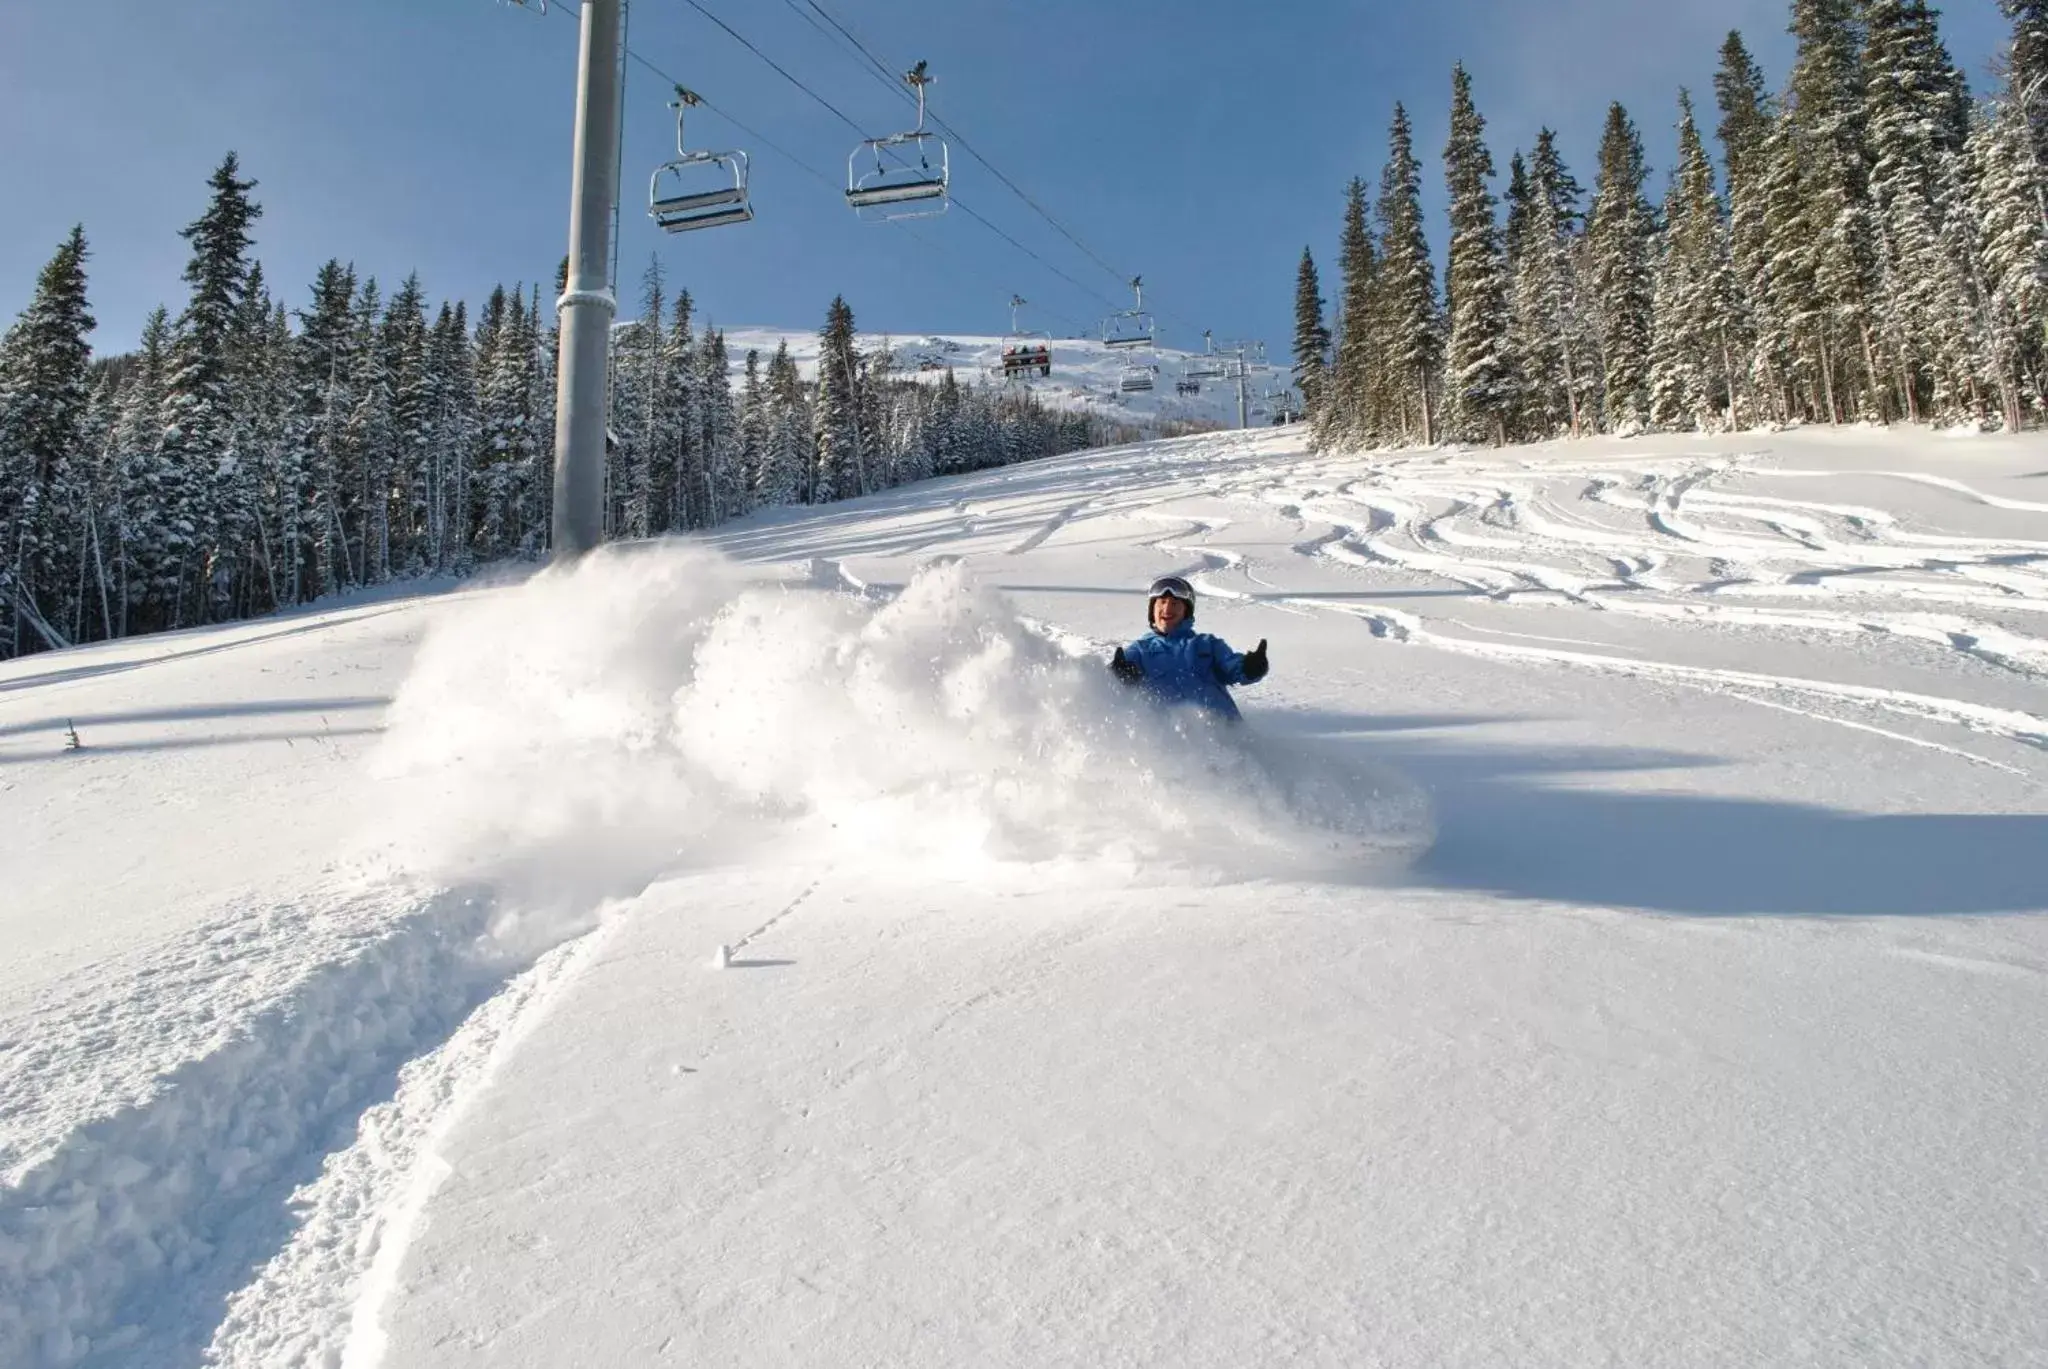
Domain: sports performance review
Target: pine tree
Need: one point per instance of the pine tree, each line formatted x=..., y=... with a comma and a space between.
x=1407, y=312
x=1824, y=119
x=724, y=495
x=639, y=375
x=1346, y=420
x=446, y=463
x=1311, y=337
x=1692, y=366
x=785, y=470
x=2027, y=74
x=1762, y=347
x=44, y=393
x=138, y=530
x=835, y=422
x=310, y=500
x=1520, y=202
x=247, y=496
x=1479, y=381
x=2012, y=246
x=1923, y=307
x=198, y=414
x=753, y=433
x=677, y=463
x=1552, y=339
x=1619, y=246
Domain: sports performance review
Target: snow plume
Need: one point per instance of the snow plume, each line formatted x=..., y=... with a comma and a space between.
x=574, y=737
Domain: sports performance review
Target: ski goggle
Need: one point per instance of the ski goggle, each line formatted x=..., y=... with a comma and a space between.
x=1172, y=586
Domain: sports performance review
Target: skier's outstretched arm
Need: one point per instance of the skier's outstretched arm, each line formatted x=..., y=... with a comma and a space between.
x=1249, y=668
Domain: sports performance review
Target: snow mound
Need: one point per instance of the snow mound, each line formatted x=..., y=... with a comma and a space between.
x=650, y=709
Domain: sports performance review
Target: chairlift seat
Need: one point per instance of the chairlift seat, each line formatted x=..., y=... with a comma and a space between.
x=683, y=204
x=683, y=210
x=899, y=192
x=707, y=218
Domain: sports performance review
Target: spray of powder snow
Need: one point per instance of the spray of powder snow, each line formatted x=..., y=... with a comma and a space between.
x=574, y=737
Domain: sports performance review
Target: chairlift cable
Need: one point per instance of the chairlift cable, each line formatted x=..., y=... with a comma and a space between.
x=779, y=70
x=971, y=151
x=964, y=208
x=882, y=69
x=574, y=8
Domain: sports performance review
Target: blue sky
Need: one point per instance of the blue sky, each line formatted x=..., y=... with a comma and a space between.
x=1199, y=142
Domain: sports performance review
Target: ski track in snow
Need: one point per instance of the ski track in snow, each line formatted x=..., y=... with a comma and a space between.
x=1654, y=537
x=156, y=1130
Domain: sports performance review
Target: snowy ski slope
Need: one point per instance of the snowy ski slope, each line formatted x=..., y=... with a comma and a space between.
x=1621, y=935
x=1085, y=374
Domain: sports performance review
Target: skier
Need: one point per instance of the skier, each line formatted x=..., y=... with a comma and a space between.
x=1180, y=665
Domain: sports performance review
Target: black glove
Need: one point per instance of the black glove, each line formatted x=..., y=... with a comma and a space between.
x=1255, y=663
x=1125, y=669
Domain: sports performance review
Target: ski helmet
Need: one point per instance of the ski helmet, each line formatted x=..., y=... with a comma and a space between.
x=1170, y=587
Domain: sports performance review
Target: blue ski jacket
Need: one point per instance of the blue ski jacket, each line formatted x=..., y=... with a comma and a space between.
x=1189, y=667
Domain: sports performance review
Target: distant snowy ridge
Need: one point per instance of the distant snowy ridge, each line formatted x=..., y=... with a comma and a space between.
x=1086, y=375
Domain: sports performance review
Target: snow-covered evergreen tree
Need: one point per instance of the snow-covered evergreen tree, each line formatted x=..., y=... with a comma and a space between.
x=1479, y=379
x=1311, y=334
x=786, y=466
x=835, y=421
x=1552, y=339
x=1762, y=346
x=2027, y=74
x=1620, y=242
x=2012, y=248
x=1697, y=306
x=44, y=393
x=310, y=503
x=724, y=494
x=753, y=432
x=1411, y=340
x=678, y=460
x=639, y=377
x=198, y=413
x=1346, y=419
x=1923, y=308
x=1824, y=122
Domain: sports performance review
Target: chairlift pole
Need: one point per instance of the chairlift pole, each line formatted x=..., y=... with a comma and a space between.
x=588, y=306
x=1242, y=368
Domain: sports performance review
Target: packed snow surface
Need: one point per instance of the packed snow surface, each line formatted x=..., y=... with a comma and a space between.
x=1619, y=934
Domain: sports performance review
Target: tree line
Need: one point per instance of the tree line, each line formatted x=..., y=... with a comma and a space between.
x=251, y=456
x=1875, y=249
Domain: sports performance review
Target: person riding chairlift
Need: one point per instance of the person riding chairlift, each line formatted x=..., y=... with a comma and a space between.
x=1179, y=665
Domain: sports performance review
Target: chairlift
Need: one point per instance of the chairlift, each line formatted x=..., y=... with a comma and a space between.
x=1206, y=366
x=1024, y=350
x=1136, y=378
x=893, y=188
x=680, y=198
x=1130, y=327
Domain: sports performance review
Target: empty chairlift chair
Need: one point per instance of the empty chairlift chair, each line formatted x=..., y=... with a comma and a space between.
x=698, y=189
x=895, y=186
